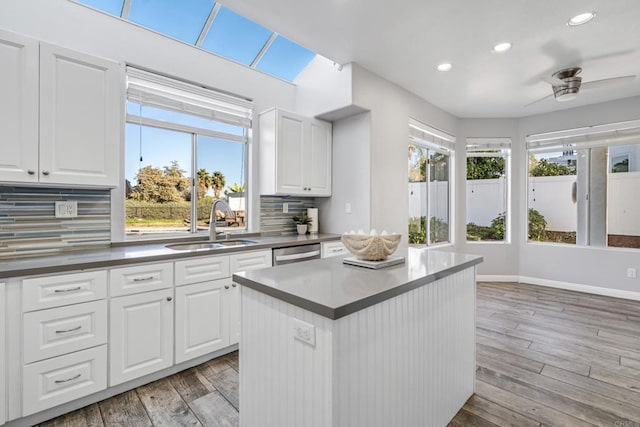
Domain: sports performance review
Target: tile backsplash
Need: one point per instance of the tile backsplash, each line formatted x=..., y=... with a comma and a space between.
x=28, y=225
x=273, y=221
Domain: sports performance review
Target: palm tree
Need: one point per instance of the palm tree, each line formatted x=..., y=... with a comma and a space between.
x=217, y=182
x=204, y=182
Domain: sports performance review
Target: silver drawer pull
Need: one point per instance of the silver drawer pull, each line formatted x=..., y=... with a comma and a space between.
x=337, y=250
x=66, y=331
x=61, y=291
x=68, y=379
x=143, y=279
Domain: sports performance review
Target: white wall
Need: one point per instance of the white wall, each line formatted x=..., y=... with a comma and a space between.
x=76, y=27
x=391, y=107
x=321, y=87
x=351, y=177
x=590, y=266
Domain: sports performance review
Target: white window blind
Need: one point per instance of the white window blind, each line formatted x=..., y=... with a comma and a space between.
x=154, y=90
x=587, y=137
x=431, y=137
x=477, y=146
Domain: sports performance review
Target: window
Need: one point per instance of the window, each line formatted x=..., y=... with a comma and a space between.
x=430, y=170
x=185, y=148
x=214, y=28
x=584, y=186
x=488, y=171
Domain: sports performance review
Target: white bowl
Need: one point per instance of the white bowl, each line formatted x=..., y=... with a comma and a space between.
x=371, y=248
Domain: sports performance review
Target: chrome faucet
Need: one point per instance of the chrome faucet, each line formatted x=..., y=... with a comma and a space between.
x=213, y=236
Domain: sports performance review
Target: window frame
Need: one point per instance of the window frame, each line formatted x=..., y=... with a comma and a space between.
x=435, y=140
x=493, y=147
x=233, y=110
x=582, y=139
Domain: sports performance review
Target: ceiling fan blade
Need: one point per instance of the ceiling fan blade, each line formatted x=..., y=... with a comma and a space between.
x=553, y=81
x=538, y=100
x=607, y=82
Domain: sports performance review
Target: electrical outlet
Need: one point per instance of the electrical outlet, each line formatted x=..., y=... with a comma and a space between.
x=632, y=273
x=304, y=332
x=347, y=208
x=66, y=209
x=285, y=208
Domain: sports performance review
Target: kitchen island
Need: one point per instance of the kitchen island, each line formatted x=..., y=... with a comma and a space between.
x=326, y=344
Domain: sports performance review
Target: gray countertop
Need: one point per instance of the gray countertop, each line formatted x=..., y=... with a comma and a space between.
x=123, y=255
x=334, y=290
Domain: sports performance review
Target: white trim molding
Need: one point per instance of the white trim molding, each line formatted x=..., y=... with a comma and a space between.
x=597, y=290
x=496, y=278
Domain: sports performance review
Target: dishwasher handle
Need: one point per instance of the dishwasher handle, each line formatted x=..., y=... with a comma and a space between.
x=300, y=256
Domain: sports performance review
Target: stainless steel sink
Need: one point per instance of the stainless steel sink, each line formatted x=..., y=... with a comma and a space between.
x=219, y=244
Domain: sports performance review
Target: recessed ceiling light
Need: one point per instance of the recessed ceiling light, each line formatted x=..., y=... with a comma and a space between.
x=445, y=66
x=501, y=47
x=580, y=19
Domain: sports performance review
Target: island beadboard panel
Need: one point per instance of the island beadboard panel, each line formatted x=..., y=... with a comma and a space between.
x=28, y=225
x=382, y=376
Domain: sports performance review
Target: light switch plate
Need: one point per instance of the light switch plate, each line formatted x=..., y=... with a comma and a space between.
x=66, y=209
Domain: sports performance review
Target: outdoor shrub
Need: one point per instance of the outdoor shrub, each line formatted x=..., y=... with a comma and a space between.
x=498, y=227
x=417, y=230
x=477, y=232
x=537, y=225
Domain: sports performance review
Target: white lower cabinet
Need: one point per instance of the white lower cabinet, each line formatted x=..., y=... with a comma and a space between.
x=61, y=379
x=333, y=248
x=57, y=331
x=202, y=319
x=141, y=335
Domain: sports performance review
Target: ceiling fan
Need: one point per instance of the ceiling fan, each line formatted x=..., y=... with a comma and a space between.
x=566, y=84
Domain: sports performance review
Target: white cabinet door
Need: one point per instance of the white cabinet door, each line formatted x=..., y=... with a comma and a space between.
x=202, y=318
x=18, y=108
x=3, y=382
x=80, y=116
x=141, y=335
x=290, y=157
x=318, y=159
x=295, y=155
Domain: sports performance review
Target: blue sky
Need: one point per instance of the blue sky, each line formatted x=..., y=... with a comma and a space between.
x=231, y=35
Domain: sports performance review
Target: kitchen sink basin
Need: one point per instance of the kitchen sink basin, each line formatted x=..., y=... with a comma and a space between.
x=219, y=244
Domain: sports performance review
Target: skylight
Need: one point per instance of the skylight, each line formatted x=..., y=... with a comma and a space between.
x=214, y=28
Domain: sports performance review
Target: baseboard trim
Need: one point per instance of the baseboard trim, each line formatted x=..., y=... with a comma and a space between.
x=496, y=278
x=616, y=293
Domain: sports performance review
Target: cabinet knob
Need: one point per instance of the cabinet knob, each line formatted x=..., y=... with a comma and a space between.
x=234, y=285
x=169, y=299
x=45, y=173
x=31, y=172
x=226, y=286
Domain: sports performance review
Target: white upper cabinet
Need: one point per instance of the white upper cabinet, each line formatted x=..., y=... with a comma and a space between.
x=295, y=155
x=80, y=99
x=18, y=108
x=60, y=115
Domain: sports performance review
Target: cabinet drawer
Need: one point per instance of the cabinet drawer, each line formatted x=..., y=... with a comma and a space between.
x=56, y=291
x=57, y=331
x=140, y=278
x=250, y=261
x=202, y=269
x=59, y=380
x=330, y=249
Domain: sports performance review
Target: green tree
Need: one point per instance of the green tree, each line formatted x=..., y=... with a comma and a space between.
x=204, y=182
x=417, y=164
x=218, y=182
x=545, y=168
x=485, y=167
x=160, y=185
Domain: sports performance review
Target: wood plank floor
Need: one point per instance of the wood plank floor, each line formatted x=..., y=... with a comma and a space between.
x=546, y=357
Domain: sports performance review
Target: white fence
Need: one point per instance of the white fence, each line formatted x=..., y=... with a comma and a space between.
x=549, y=195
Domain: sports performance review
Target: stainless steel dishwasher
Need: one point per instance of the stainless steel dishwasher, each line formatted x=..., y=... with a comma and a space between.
x=298, y=253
